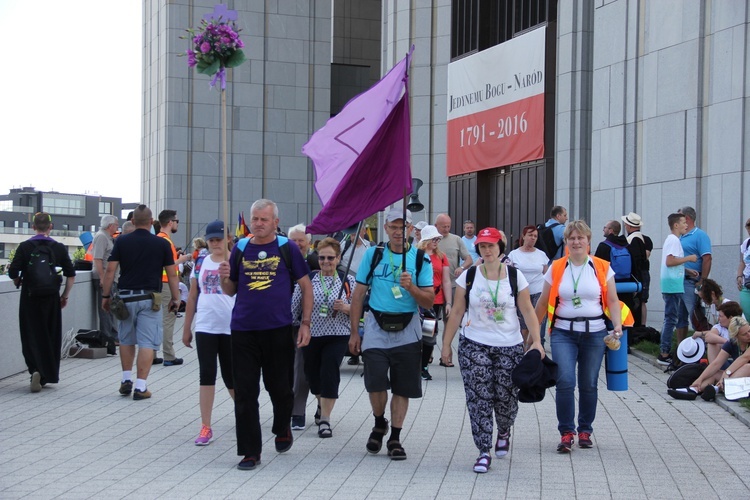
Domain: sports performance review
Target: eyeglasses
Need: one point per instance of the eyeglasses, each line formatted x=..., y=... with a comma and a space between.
x=327, y=257
x=176, y=220
x=436, y=240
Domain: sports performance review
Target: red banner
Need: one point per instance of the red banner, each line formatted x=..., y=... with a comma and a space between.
x=505, y=135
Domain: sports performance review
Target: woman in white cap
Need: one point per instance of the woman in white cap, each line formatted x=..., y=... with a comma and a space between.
x=443, y=294
x=212, y=310
x=490, y=345
x=732, y=361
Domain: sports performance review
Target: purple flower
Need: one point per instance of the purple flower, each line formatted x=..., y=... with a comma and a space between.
x=191, y=58
x=205, y=47
x=240, y=44
x=197, y=39
x=226, y=40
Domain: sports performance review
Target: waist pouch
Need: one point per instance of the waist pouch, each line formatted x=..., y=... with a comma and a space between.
x=392, y=322
x=155, y=301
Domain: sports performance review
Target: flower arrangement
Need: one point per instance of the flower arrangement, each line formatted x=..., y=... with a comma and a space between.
x=216, y=46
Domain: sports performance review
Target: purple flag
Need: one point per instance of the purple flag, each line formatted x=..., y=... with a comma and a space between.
x=335, y=147
x=376, y=179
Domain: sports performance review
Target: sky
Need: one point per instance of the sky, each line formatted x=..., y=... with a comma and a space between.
x=70, y=96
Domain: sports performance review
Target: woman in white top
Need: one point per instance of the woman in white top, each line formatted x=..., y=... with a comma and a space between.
x=532, y=262
x=212, y=331
x=719, y=334
x=490, y=345
x=577, y=292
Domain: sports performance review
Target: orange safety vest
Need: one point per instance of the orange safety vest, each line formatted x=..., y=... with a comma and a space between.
x=601, y=268
x=164, y=278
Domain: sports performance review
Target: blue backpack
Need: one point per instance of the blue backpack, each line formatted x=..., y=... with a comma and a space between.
x=620, y=261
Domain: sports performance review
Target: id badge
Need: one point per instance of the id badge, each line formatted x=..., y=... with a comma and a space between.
x=498, y=316
x=396, y=290
x=577, y=302
x=323, y=311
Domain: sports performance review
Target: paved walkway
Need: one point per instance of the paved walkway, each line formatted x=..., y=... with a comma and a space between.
x=80, y=439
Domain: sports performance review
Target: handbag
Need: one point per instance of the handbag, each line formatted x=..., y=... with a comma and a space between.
x=736, y=388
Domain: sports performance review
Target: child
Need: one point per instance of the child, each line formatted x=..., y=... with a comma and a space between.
x=672, y=277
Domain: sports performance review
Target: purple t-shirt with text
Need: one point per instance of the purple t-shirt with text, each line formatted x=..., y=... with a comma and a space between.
x=264, y=287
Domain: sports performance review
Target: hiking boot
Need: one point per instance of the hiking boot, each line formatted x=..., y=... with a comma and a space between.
x=584, y=440
x=502, y=445
x=126, y=387
x=173, y=362
x=248, y=463
x=284, y=441
x=138, y=395
x=157, y=361
x=709, y=393
x=205, y=436
x=664, y=360
x=566, y=442
x=298, y=422
x=353, y=361
x=426, y=374
x=482, y=464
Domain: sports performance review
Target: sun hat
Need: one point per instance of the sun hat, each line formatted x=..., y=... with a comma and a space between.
x=215, y=229
x=420, y=225
x=691, y=350
x=487, y=235
x=632, y=219
x=430, y=232
x=396, y=213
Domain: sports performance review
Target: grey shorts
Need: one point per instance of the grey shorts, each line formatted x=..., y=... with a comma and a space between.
x=144, y=326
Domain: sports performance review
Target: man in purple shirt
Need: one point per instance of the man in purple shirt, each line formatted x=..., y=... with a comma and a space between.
x=261, y=271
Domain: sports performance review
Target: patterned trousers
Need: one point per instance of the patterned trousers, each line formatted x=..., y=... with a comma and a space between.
x=486, y=373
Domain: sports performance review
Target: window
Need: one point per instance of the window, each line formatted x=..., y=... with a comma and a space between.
x=105, y=208
x=80, y=229
x=66, y=227
x=6, y=205
x=64, y=204
x=2, y=251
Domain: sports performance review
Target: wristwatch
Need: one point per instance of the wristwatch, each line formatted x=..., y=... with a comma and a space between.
x=728, y=373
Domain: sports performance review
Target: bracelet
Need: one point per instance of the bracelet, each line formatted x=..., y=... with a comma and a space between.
x=106, y=296
x=306, y=322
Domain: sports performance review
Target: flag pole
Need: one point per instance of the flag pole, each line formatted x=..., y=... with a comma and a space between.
x=224, y=169
x=349, y=262
x=403, y=255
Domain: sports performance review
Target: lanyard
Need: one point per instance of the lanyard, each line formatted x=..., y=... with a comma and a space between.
x=576, y=280
x=493, y=296
x=396, y=270
x=324, y=286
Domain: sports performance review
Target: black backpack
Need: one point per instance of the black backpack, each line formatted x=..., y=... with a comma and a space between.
x=471, y=273
x=378, y=256
x=546, y=240
x=685, y=375
x=40, y=278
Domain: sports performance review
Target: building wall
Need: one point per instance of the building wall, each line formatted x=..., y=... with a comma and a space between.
x=275, y=101
x=668, y=118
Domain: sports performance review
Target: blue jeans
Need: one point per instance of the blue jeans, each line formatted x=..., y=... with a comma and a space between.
x=688, y=304
x=587, y=350
x=672, y=305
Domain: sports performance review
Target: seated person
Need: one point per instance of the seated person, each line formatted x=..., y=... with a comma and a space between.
x=717, y=336
x=735, y=349
x=712, y=296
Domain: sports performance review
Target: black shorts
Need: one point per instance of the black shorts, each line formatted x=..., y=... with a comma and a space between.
x=402, y=362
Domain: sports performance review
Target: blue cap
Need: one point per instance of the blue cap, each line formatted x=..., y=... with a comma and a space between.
x=215, y=229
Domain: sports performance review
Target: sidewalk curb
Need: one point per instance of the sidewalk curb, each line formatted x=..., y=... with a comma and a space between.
x=732, y=407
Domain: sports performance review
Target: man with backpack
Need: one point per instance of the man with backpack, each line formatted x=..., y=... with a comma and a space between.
x=34, y=269
x=391, y=346
x=550, y=239
x=616, y=250
x=261, y=272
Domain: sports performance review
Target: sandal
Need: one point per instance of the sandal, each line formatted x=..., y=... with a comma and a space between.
x=324, y=430
x=482, y=464
x=396, y=451
x=447, y=365
x=375, y=441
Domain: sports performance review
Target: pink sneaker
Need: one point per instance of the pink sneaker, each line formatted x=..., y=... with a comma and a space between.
x=204, y=437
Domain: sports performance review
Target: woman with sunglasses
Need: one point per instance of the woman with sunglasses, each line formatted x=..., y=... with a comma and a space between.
x=329, y=330
x=443, y=295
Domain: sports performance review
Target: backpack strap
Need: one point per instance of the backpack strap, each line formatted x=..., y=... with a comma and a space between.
x=377, y=256
x=471, y=273
x=284, y=250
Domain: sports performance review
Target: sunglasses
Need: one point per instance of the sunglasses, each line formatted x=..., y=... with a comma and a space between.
x=326, y=257
x=176, y=220
x=436, y=240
